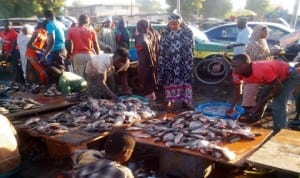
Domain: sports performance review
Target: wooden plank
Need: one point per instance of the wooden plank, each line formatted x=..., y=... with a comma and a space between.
x=242, y=149
x=281, y=152
x=49, y=104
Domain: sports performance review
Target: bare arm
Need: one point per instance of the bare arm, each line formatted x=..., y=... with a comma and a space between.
x=235, y=98
x=50, y=44
x=105, y=89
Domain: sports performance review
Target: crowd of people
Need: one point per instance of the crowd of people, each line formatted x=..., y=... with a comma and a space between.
x=50, y=52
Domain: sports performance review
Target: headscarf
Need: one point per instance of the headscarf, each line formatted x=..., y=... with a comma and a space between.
x=175, y=16
x=257, y=47
x=121, y=29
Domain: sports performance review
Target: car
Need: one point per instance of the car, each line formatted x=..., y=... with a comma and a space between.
x=203, y=47
x=291, y=45
x=227, y=33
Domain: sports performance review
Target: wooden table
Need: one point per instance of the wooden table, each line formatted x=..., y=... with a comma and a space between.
x=49, y=104
x=242, y=148
x=281, y=152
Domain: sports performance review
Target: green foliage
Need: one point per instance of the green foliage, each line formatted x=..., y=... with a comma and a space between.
x=28, y=8
x=149, y=6
x=216, y=8
x=188, y=8
x=261, y=7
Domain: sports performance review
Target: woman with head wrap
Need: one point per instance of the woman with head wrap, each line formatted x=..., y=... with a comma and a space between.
x=147, y=45
x=122, y=35
x=175, y=62
x=257, y=49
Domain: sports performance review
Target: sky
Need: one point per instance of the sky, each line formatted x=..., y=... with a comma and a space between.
x=238, y=4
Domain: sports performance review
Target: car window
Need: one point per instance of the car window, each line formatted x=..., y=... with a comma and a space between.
x=198, y=35
x=276, y=33
x=225, y=33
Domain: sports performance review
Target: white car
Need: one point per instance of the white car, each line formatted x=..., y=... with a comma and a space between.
x=227, y=33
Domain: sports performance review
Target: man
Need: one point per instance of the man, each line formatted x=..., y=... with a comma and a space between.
x=278, y=80
x=9, y=36
x=56, y=40
x=104, y=66
x=107, y=36
x=83, y=43
x=242, y=37
x=118, y=149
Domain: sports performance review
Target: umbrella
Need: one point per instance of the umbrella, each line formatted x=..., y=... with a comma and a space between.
x=242, y=12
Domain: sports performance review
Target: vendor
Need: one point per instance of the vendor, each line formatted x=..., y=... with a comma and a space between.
x=9, y=153
x=278, y=80
x=68, y=82
x=100, y=72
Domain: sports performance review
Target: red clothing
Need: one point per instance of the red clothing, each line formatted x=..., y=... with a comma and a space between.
x=8, y=37
x=264, y=72
x=38, y=42
x=83, y=39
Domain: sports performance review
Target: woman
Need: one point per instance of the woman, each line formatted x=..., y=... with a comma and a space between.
x=35, y=48
x=175, y=62
x=147, y=44
x=22, y=41
x=122, y=35
x=257, y=49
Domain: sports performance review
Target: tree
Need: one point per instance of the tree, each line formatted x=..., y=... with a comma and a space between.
x=216, y=8
x=25, y=8
x=188, y=8
x=261, y=7
x=149, y=6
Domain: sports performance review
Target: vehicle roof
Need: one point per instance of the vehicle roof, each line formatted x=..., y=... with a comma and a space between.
x=288, y=29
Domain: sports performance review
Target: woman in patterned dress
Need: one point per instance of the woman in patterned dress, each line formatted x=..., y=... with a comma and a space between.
x=175, y=62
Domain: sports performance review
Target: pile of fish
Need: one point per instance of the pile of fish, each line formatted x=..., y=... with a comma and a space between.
x=192, y=130
x=10, y=87
x=75, y=96
x=94, y=115
x=12, y=105
x=52, y=91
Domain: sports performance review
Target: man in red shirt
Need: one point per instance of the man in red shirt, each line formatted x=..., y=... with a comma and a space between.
x=8, y=36
x=278, y=80
x=83, y=43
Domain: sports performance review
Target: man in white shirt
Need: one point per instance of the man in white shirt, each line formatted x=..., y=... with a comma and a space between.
x=242, y=37
x=104, y=66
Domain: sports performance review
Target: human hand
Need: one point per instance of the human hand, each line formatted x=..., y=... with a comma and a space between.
x=229, y=112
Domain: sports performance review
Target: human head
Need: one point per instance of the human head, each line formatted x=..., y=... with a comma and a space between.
x=175, y=21
x=241, y=64
x=8, y=25
x=27, y=29
x=120, y=59
x=119, y=146
x=83, y=20
x=49, y=14
x=259, y=32
x=107, y=22
x=142, y=26
x=241, y=22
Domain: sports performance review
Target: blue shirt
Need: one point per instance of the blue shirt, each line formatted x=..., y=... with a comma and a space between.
x=57, y=29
